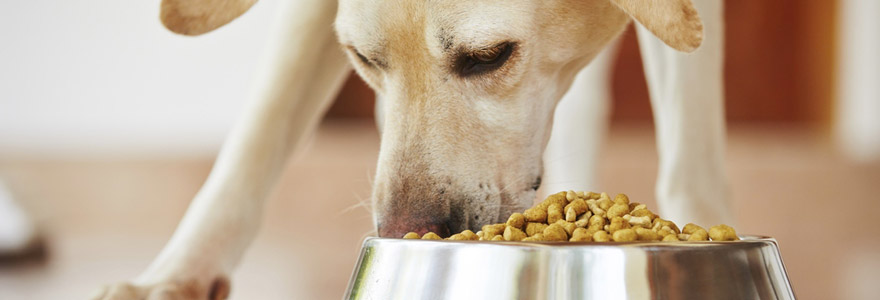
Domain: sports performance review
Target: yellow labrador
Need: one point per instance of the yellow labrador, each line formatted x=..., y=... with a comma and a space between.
x=469, y=91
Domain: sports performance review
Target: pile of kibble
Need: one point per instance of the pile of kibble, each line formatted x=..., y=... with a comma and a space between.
x=588, y=217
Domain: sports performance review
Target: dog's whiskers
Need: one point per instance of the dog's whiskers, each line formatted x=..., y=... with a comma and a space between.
x=362, y=202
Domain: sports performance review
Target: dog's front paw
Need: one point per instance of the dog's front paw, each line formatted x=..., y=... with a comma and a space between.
x=217, y=289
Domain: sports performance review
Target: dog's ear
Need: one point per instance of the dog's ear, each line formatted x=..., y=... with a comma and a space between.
x=675, y=22
x=195, y=17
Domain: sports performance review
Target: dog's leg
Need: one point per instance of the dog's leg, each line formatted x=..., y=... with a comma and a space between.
x=687, y=98
x=297, y=83
x=579, y=126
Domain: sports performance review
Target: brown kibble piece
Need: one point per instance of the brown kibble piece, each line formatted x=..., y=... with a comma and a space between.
x=617, y=210
x=575, y=208
x=621, y=199
x=457, y=237
x=535, y=228
x=670, y=238
x=513, y=234
x=646, y=234
x=633, y=206
x=570, y=196
x=568, y=226
x=591, y=231
x=595, y=209
x=666, y=231
x=498, y=238
x=605, y=203
x=659, y=223
x=581, y=235
x=558, y=199
x=535, y=214
x=583, y=221
x=617, y=223
x=412, y=236
x=597, y=222
x=643, y=213
x=624, y=235
x=431, y=236
x=516, y=220
x=690, y=228
x=492, y=230
x=570, y=215
x=555, y=232
x=699, y=235
x=554, y=213
x=643, y=222
x=722, y=233
x=535, y=238
x=601, y=236
x=470, y=235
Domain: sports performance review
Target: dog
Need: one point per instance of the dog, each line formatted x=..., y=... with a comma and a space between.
x=469, y=94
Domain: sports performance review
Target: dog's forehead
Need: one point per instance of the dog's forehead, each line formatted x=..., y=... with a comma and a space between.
x=442, y=24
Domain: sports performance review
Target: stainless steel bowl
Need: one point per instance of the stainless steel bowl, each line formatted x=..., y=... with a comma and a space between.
x=424, y=269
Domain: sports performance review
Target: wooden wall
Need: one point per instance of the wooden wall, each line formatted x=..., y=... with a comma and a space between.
x=779, y=67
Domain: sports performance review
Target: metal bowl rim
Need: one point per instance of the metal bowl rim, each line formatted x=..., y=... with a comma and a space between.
x=744, y=239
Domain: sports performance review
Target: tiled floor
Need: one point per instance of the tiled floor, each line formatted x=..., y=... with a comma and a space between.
x=106, y=219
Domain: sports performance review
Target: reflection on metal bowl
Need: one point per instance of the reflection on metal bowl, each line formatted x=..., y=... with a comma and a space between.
x=424, y=269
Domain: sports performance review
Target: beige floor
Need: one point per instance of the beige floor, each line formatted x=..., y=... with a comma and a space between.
x=107, y=219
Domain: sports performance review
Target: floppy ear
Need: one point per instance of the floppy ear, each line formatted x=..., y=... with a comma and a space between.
x=195, y=17
x=675, y=22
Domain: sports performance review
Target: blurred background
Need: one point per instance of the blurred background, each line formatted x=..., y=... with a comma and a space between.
x=109, y=124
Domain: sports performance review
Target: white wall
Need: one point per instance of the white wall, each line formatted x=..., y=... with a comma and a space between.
x=101, y=77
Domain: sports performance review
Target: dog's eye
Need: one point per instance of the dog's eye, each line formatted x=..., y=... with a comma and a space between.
x=484, y=60
x=360, y=56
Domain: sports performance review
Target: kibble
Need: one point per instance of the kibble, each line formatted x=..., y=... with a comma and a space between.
x=617, y=223
x=535, y=214
x=555, y=232
x=575, y=208
x=513, y=234
x=722, y=233
x=624, y=235
x=554, y=213
x=492, y=230
x=533, y=228
x=431, y=236
x=580, y=216
x=516, y=220
x=581, y=235
x=601, y=236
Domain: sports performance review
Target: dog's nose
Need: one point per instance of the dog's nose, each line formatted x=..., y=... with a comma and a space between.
x=397, y=229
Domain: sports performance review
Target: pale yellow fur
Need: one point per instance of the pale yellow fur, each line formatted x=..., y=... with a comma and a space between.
x=478, y=140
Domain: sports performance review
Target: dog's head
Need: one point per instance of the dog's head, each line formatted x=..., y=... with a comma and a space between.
x=469, y=89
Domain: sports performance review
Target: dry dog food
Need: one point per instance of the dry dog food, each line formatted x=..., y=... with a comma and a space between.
x=589, y=217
